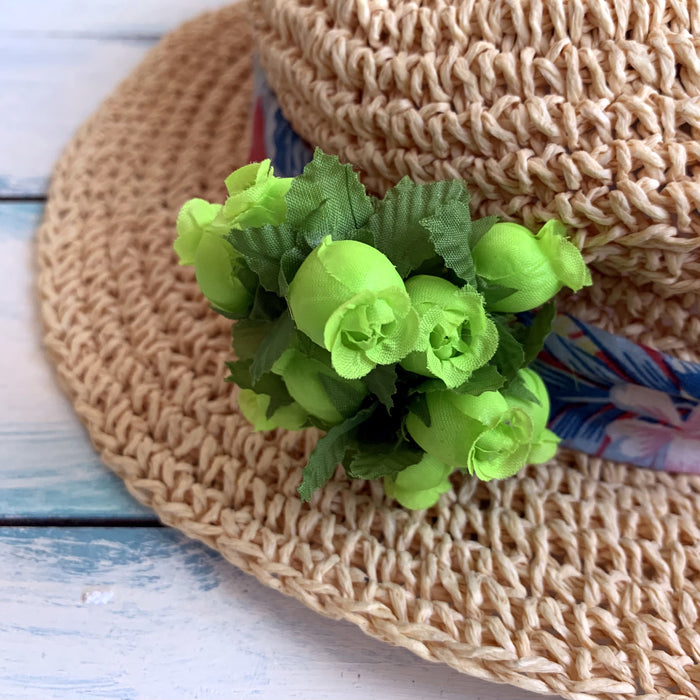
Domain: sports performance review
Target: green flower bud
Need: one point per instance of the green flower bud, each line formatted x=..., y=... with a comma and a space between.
x=544, y=441
x=349, y=298
x=537, y=267
x=304, y=378
x=217, y=267
x=455, y=335
x=196, y=217
x=256, y=196
x=200, y=242
x=420, y=485
x=254, y=407
x=481, y=434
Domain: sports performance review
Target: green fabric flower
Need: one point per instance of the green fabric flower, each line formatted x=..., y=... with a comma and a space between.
x=217, y=266
x=310, y=382
x=536, y=266
x=420, y=485
x=481, y=434
x=254, y=407
x=196, y=217
x=256, y=196
x=455, y=335
x=349, y=298
x=544, y=441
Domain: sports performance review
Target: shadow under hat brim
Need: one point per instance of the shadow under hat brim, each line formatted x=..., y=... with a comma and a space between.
x=580, y=577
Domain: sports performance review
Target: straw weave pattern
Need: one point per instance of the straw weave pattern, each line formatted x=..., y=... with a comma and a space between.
x=584, y=110
x=580, y=577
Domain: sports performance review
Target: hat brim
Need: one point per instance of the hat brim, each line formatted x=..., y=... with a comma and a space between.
x=579, y=577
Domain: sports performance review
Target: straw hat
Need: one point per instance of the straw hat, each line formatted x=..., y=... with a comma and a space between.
x=580, y=577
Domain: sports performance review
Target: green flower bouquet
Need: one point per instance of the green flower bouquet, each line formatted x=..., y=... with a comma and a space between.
x=389, y=323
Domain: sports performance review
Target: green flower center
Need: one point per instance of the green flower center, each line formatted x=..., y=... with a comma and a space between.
x=449, y=343
x=366, y=325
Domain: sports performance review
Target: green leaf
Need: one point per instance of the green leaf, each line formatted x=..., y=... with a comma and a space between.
x=480, y=227
x=269, y=384
x=328, y=197
x=538, y=331
x=267, y=306
x=396, y=223
x=518, y=389
x=486, y=378
x=492, y=293
x=419, y=407
x=376, y=461
x=450, y=231
x=247, y=337
x=330, y=451
x=509, y=357
x=263, y=248
x=272, y=346
x=341, y=393
x=381, y=382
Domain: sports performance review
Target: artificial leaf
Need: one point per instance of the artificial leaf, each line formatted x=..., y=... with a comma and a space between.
x=341, y=393
x=267, y=306
x=537, y=332
x=486, y=378
x=491, y=292
x=450, y=232
x=330, y=451
x=419, y=407
x=381, y=382
x=327, y=197
x=269, y=384
x=519, y=390
x=272, y=346
x=509, y=357
x=396, y=223
x=376, y=461
x=481, y=227
x=247, y=336
x=263, y=248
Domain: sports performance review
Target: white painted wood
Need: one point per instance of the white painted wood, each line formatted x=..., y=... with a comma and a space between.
x=47, y=464
x=48, y=87
x=145, y=613
x=105, y=17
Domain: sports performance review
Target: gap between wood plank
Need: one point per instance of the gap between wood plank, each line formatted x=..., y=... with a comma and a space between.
x=81, y=522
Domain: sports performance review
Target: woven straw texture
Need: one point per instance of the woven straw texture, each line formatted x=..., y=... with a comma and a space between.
x=580, y=577
x=586, y=110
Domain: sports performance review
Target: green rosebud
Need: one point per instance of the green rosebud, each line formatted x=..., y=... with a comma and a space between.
x=254, y=407
x=536, y=266
x=544, y=441
x=196, y=217
x=349, y=298
x=217, y=266
x=481, y=434
x=256, y=196
x=455, y=335
x=420, y=485
x=311, y=381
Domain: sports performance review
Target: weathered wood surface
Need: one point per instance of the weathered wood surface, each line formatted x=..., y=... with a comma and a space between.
x=146, y=613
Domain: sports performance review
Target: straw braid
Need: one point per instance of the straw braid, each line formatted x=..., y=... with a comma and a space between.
x=580, y=577
x=585, y=110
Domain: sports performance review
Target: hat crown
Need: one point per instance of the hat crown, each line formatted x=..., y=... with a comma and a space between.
x=584, y=111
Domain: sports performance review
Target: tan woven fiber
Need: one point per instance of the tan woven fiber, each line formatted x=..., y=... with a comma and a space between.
x=584, y=110
x=580, y=577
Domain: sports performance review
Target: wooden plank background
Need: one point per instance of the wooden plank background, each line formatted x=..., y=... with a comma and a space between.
x=97, y=600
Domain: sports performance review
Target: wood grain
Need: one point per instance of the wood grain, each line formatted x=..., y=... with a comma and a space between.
x=48, y=468
x=144, y=613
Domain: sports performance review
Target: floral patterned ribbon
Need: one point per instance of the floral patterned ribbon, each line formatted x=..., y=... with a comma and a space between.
x=610, y=397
